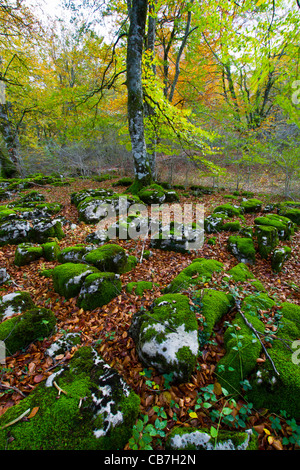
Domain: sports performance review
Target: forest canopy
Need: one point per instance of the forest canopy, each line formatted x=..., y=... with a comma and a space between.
x=219, y=87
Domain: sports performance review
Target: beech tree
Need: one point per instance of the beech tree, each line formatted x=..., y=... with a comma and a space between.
x=137, y=10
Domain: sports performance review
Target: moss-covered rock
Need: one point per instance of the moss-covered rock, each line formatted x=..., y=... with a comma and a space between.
x=68, y=278
x=290, y=213
x=279, y=257
x=242, y=351
x=75, y=253
x=27, y=253
x=96, y=412
x=240, y=273
x=51, y=251
x=18, y=231
x=200, y=439
x=166, y=337
x=242, y=248
x=280, y=392
x=99, y=289
x=285, y=226
x=251, y=205
x=228, y=209
x=152, y=194
x=138, y=288
x=16, y=302
x=63, y=344
x=198, y=272
x=267, y=239
x=214, y=222
x=19, y=331
x=111, y=258
x=214, y=305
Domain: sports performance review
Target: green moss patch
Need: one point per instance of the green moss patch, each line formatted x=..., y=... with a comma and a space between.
x=27, y=253
x=251, y=205
x=280, y=392
x=110, y=258
x=199, y=271
x=19, y=331
x=242, y=248
x=99, y=289
x=138, y=288
x=68, y=278
x=96, y=412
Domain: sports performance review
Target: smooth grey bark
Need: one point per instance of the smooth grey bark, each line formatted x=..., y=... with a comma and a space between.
x=151, y=35
x=138, y=14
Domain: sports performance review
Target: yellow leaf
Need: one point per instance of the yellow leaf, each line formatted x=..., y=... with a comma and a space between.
x=270, y=439
x=267, y=431
x=193, y=414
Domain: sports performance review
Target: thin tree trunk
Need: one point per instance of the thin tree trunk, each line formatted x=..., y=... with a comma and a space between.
x=137, y=14
x=10, y=166
x=151, y=147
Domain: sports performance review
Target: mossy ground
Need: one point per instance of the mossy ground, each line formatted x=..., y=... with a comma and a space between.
x=60, y=423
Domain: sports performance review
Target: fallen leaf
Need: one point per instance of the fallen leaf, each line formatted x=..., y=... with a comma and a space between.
x=33, y=412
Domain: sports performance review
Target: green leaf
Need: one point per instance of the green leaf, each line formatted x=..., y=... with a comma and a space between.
x=213, y=432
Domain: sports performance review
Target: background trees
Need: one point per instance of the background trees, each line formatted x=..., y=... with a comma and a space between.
x=218, y=83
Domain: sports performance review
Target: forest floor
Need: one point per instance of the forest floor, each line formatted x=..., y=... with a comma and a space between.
x=107, y=327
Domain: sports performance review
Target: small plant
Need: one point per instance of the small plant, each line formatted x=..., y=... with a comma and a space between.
x=144, y=432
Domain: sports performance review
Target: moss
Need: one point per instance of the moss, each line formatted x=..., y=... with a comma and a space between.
x=199, y=271
x=252, y=205
x=242, y=351
x=290, y=311
x=131, y=263
x=200, y=439
x=280, y=392
x=68, y=278
x=51, y=251
x=258, y=286
x=6, y=214
x=279, y=257
x=212, y=241
x=110, y=257
x=17, y=302
x=18, y=332
x=285, y=226
x=231, y=227
x=267, y=239
x=240, y=273
x=292, y=214
x=242, y=248
x=152, y=194
x=253, y=303
x=27, y=253
x=125, y=181
x=214, y=305
x=60, y=424
x=98, y=289
x=138, y=288
x=228, y=209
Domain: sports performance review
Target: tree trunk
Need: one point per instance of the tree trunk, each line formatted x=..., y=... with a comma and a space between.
x=137, y=14
x=149, y=111
x=9, y=164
